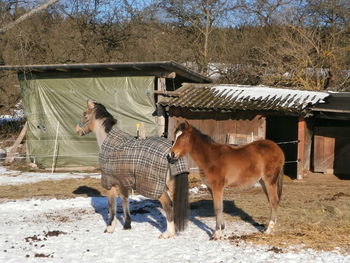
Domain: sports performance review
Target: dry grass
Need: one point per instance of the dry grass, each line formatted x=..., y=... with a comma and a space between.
x=314, y=213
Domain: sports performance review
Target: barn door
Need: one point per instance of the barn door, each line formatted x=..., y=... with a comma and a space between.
x=324, y=148
x=284, y=130
x=332, y=150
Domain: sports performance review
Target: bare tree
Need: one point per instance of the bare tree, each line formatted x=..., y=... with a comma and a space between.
x=201, y=17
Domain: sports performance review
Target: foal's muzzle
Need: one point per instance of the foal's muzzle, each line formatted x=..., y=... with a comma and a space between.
x=171, y=157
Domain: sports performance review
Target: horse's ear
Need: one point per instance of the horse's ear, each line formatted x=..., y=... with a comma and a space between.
x=187, y=125
x=90, y=104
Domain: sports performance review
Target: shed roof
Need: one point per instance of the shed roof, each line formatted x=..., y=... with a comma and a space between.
x=156, y=68
x=242, y=98
x=337, y=107
x=338, y=102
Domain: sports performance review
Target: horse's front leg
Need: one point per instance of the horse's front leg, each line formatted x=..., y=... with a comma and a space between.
x=112, y=208
x=166, y=203
x=217, y=194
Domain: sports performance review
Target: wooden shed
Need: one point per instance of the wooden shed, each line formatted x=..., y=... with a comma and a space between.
x=54, y=97
x=236, y=114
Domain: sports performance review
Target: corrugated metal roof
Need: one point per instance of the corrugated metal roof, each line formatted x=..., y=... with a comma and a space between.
x=239, y=97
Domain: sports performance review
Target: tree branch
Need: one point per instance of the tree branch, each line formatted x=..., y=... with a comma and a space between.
x=27, y=15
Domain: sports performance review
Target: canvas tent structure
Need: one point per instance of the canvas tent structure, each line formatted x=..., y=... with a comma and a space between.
x=54, y=97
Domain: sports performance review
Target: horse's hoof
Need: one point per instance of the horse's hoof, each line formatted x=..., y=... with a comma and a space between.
x=127, y=227
x=109, y=229
x=269, y=231
x=166, y=235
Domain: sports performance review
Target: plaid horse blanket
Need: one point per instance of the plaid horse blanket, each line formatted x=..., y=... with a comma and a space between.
x=137, y=164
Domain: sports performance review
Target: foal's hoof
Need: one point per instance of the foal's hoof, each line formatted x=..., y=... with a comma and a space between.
x=215, y=236
x=166, y=235
x=270, y=228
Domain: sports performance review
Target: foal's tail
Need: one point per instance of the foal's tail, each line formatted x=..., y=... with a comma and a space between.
x=280, y=183
x=181, y=201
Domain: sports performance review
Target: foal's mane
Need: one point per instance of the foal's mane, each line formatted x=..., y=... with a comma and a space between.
x=205, y=137
x=102, y=113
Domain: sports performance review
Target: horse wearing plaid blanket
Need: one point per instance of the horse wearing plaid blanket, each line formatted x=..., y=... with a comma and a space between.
x=128, y=163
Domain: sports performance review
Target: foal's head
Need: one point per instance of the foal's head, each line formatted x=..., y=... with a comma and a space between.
x=92, y=114
x=182, y=140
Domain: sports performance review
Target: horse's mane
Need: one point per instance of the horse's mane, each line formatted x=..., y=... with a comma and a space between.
x=102, y=113
x=205, y=137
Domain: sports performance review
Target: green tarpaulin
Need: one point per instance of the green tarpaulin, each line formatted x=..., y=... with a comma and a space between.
x=53, y=106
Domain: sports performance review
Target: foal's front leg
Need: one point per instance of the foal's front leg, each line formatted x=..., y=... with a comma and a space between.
x=112, y=208
x=218, y=195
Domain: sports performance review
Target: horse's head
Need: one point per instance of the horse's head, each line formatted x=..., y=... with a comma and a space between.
x=95, y=116
x=86, y=123
x=181, y=145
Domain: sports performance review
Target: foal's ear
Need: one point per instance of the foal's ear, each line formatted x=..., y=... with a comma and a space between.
x=90, y=104
x=187, y=125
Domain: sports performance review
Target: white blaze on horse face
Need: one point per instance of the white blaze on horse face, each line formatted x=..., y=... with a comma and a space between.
x=177, y=135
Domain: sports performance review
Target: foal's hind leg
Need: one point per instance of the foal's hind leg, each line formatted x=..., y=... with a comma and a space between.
x=166, y=201
x=270, y=189
x=112, y=208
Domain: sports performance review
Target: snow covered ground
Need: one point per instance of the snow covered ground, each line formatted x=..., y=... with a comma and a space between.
x=10, y=177
x=72, y=231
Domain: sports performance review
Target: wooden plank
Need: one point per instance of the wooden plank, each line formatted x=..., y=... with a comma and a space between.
x=9, y=158
x=324, y=150
x=301, y=148
x=329, y=151
x=318, y=154
x=308, y=144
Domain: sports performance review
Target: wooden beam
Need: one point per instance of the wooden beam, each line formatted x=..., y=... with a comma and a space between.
x=137, y=68
x=171, y=75
x=302, y=129
x=73, y=169
x=62, y=69
x=19, y=139
x=167, y=93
